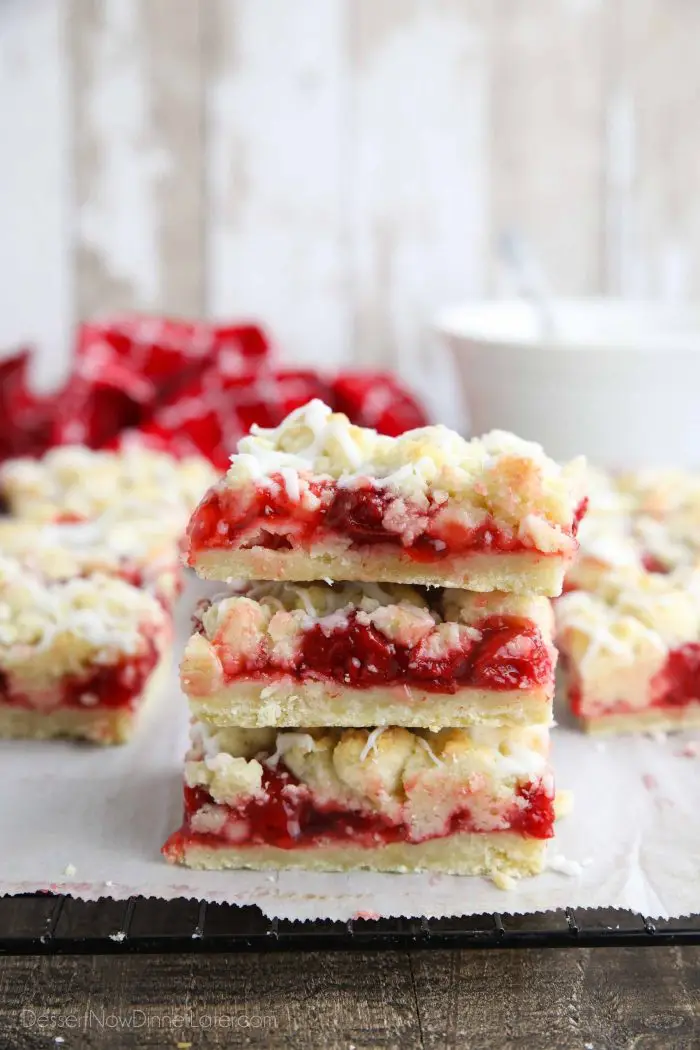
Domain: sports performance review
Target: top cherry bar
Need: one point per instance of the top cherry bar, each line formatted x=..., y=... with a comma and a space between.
x=318, y=498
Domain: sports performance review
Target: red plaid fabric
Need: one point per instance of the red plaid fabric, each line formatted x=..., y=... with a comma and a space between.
x=126, y=368
x=377, y=400
x=215, y=410
x=25, y=418
x=149, y=356
x=182, y=387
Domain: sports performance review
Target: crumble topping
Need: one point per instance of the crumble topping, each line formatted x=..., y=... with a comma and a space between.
x=57, y=627
x=227, y=779
x=403, y=613
x=499, y=474
x=74, y=480
x=59, y=550
x=414, y=776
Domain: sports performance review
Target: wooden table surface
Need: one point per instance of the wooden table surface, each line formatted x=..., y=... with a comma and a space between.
x=574, y=999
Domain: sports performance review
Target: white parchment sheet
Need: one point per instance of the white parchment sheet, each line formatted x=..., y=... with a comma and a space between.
x=631, y=841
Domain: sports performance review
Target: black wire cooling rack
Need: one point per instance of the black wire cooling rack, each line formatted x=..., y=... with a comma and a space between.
x=46, y=924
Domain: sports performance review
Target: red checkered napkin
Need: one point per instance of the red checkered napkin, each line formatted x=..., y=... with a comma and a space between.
x=184, y=387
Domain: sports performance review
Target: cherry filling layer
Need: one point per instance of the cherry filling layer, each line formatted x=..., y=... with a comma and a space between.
x=117, y=686
x=287, y=816
x=509, y=654
x=267, y=517
x=675, y=686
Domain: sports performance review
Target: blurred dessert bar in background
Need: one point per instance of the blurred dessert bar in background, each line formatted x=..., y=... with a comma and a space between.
x=79, y=657
x=90, y=570
x=629, y=627
x=631, y=651
x=647, y=519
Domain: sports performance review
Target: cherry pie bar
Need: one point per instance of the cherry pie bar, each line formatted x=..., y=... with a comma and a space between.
x=78, y=657
x=282, y=654
x=469, y=802
x=631, y=650
x=319, y=498
x=74, y=482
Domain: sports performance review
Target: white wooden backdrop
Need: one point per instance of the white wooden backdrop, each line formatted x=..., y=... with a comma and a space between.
x=339, y=168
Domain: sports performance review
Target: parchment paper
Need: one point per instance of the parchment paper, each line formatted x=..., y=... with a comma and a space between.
x=631, y=841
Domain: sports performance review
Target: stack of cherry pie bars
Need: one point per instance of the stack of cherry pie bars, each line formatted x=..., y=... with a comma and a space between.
x=375, y=689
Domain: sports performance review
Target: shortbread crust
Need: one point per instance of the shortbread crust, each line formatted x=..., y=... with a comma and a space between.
x=523, y=574
x=652, y=719
x=287, y=703
x=495, y=853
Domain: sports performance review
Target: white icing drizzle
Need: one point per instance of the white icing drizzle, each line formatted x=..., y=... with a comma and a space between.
x=204, y=739
x=305, y=600
x=291, y=483
x=286, y=742
x=426, y=747
x=334, y=621
x=371, y=743
x=515, y=754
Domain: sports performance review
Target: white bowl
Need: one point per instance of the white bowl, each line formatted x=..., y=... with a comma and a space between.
x=619, y=381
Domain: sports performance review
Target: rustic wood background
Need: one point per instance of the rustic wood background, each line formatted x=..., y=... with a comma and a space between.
x=339, y=168
x=572, y=999
x=594, y=999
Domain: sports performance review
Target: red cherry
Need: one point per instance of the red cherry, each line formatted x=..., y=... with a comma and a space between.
x=496, y=666
x=536, y=818
x=376, y=655
x=359, y=513
x=679, y=681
